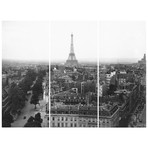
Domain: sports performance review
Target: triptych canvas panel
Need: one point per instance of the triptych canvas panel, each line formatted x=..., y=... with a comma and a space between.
x=73, y=74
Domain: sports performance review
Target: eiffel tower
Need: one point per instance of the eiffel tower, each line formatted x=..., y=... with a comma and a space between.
x=71, y=62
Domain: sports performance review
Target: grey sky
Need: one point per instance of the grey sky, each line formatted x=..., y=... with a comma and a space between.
x=122, y=41
x=85, y=40
x=22, y=40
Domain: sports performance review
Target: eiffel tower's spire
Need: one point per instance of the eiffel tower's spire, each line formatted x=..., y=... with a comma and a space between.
x=72, y=48
x=72, y=58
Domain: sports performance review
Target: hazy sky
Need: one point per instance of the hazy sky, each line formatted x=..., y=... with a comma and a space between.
x=85, y=40
x=25, y=40
x=122, y=41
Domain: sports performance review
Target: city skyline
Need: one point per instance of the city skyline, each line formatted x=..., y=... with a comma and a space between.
x=25, y=41
x=122, y=41
x=119, y=42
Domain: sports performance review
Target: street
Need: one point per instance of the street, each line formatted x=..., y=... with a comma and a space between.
x=28, y=111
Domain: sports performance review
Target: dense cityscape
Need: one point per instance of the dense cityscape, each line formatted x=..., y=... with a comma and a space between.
x=25, y=94
x=122, y=94
x=73, y=93
x=83, y=93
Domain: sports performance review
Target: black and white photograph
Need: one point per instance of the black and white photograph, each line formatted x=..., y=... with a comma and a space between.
x=25, y=74
x=73, y=74
x=76, y=71
x=122, y=74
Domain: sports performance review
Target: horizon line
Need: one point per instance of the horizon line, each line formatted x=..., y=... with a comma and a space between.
x=19, y=60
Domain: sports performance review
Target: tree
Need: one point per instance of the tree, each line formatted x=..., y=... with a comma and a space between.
x=30, y=122
x=38, y=118
x=73, y=77
x=35, y=100
x=34, y=121
x=37, y=88
x=28, y=80
x=17, y=97
x=38, y=85
x=112, y=88
x=7, y=119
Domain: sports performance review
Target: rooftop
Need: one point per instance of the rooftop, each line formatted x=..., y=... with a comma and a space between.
x=107, y=109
